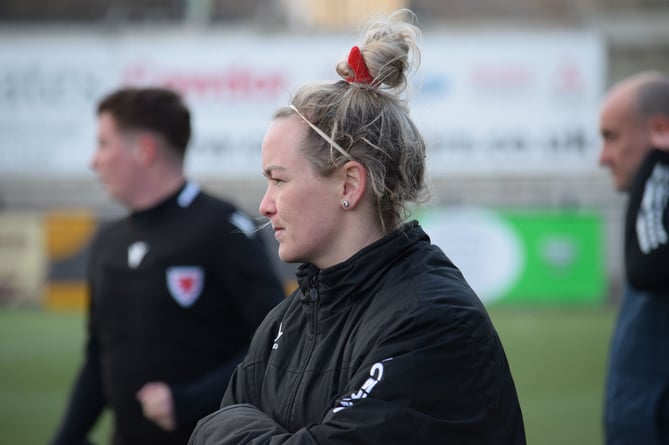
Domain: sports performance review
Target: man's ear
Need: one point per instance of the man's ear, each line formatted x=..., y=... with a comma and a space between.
x=659, y=131
x=147, y=148
x=354, y=176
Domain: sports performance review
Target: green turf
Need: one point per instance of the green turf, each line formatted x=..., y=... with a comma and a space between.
x=558, y=360
x=557, y=357
x=39, y=355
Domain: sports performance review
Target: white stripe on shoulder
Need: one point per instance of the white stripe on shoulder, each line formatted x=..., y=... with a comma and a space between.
x=188, y=194
x=243, y=223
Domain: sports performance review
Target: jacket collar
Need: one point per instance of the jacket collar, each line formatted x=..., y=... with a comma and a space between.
x=182, y=197
x=362, y=271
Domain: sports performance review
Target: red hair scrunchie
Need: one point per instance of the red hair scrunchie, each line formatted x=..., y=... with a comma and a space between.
x=359, y=67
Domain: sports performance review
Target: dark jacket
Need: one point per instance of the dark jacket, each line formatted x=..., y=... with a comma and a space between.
x=647, y=225
x=176, y=293
x=391, y=346
x=637, y=394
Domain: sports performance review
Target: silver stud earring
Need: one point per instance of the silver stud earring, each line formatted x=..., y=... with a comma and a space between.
x=345, y=204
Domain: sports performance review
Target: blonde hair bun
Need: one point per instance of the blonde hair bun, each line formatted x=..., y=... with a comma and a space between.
x=390, y=51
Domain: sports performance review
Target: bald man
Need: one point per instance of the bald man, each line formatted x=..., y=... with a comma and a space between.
x=634, y=124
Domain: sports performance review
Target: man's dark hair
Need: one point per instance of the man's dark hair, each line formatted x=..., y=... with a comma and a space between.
x=159, y=110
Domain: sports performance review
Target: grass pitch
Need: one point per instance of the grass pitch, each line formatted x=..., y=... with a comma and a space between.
x=557, y=356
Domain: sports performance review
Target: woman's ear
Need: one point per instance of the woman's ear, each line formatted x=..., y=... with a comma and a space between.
x=354, y=178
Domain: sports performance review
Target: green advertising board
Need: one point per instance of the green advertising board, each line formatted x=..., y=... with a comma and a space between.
x=524, y=256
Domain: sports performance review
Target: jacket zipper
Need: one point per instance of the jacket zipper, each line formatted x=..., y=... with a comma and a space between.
x=314, y=298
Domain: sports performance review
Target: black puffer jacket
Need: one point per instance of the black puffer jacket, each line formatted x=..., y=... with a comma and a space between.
x=391, y=346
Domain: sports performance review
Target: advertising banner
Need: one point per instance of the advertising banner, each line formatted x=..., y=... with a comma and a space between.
x=524, y=257
x=503, y=103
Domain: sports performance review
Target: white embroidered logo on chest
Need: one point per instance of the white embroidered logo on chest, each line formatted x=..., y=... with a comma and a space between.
x=136, y=253
x=275, y=345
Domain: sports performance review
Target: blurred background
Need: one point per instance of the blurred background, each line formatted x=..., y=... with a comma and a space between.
x=507, y=97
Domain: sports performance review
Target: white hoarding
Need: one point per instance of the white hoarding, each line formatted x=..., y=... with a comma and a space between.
x=503, y=103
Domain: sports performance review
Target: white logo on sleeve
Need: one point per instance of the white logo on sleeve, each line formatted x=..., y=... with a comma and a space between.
x=275, y=345
x=375, y=376
x=649, y=228
x=185, y=284
x=136, y=253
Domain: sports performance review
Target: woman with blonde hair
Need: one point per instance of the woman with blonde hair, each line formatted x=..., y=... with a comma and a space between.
x=384, y=341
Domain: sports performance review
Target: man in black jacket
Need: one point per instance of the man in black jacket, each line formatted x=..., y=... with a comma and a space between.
x=634, y=124
x=176, y=288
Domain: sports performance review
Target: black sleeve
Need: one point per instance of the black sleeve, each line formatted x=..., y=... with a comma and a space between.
x=85, y=405
x=195, y=400
x=87, y=399
x=244, y=424
x=647, y=225
x=248, y=274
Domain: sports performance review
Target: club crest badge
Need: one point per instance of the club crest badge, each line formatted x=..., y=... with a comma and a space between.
x=185, y=284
